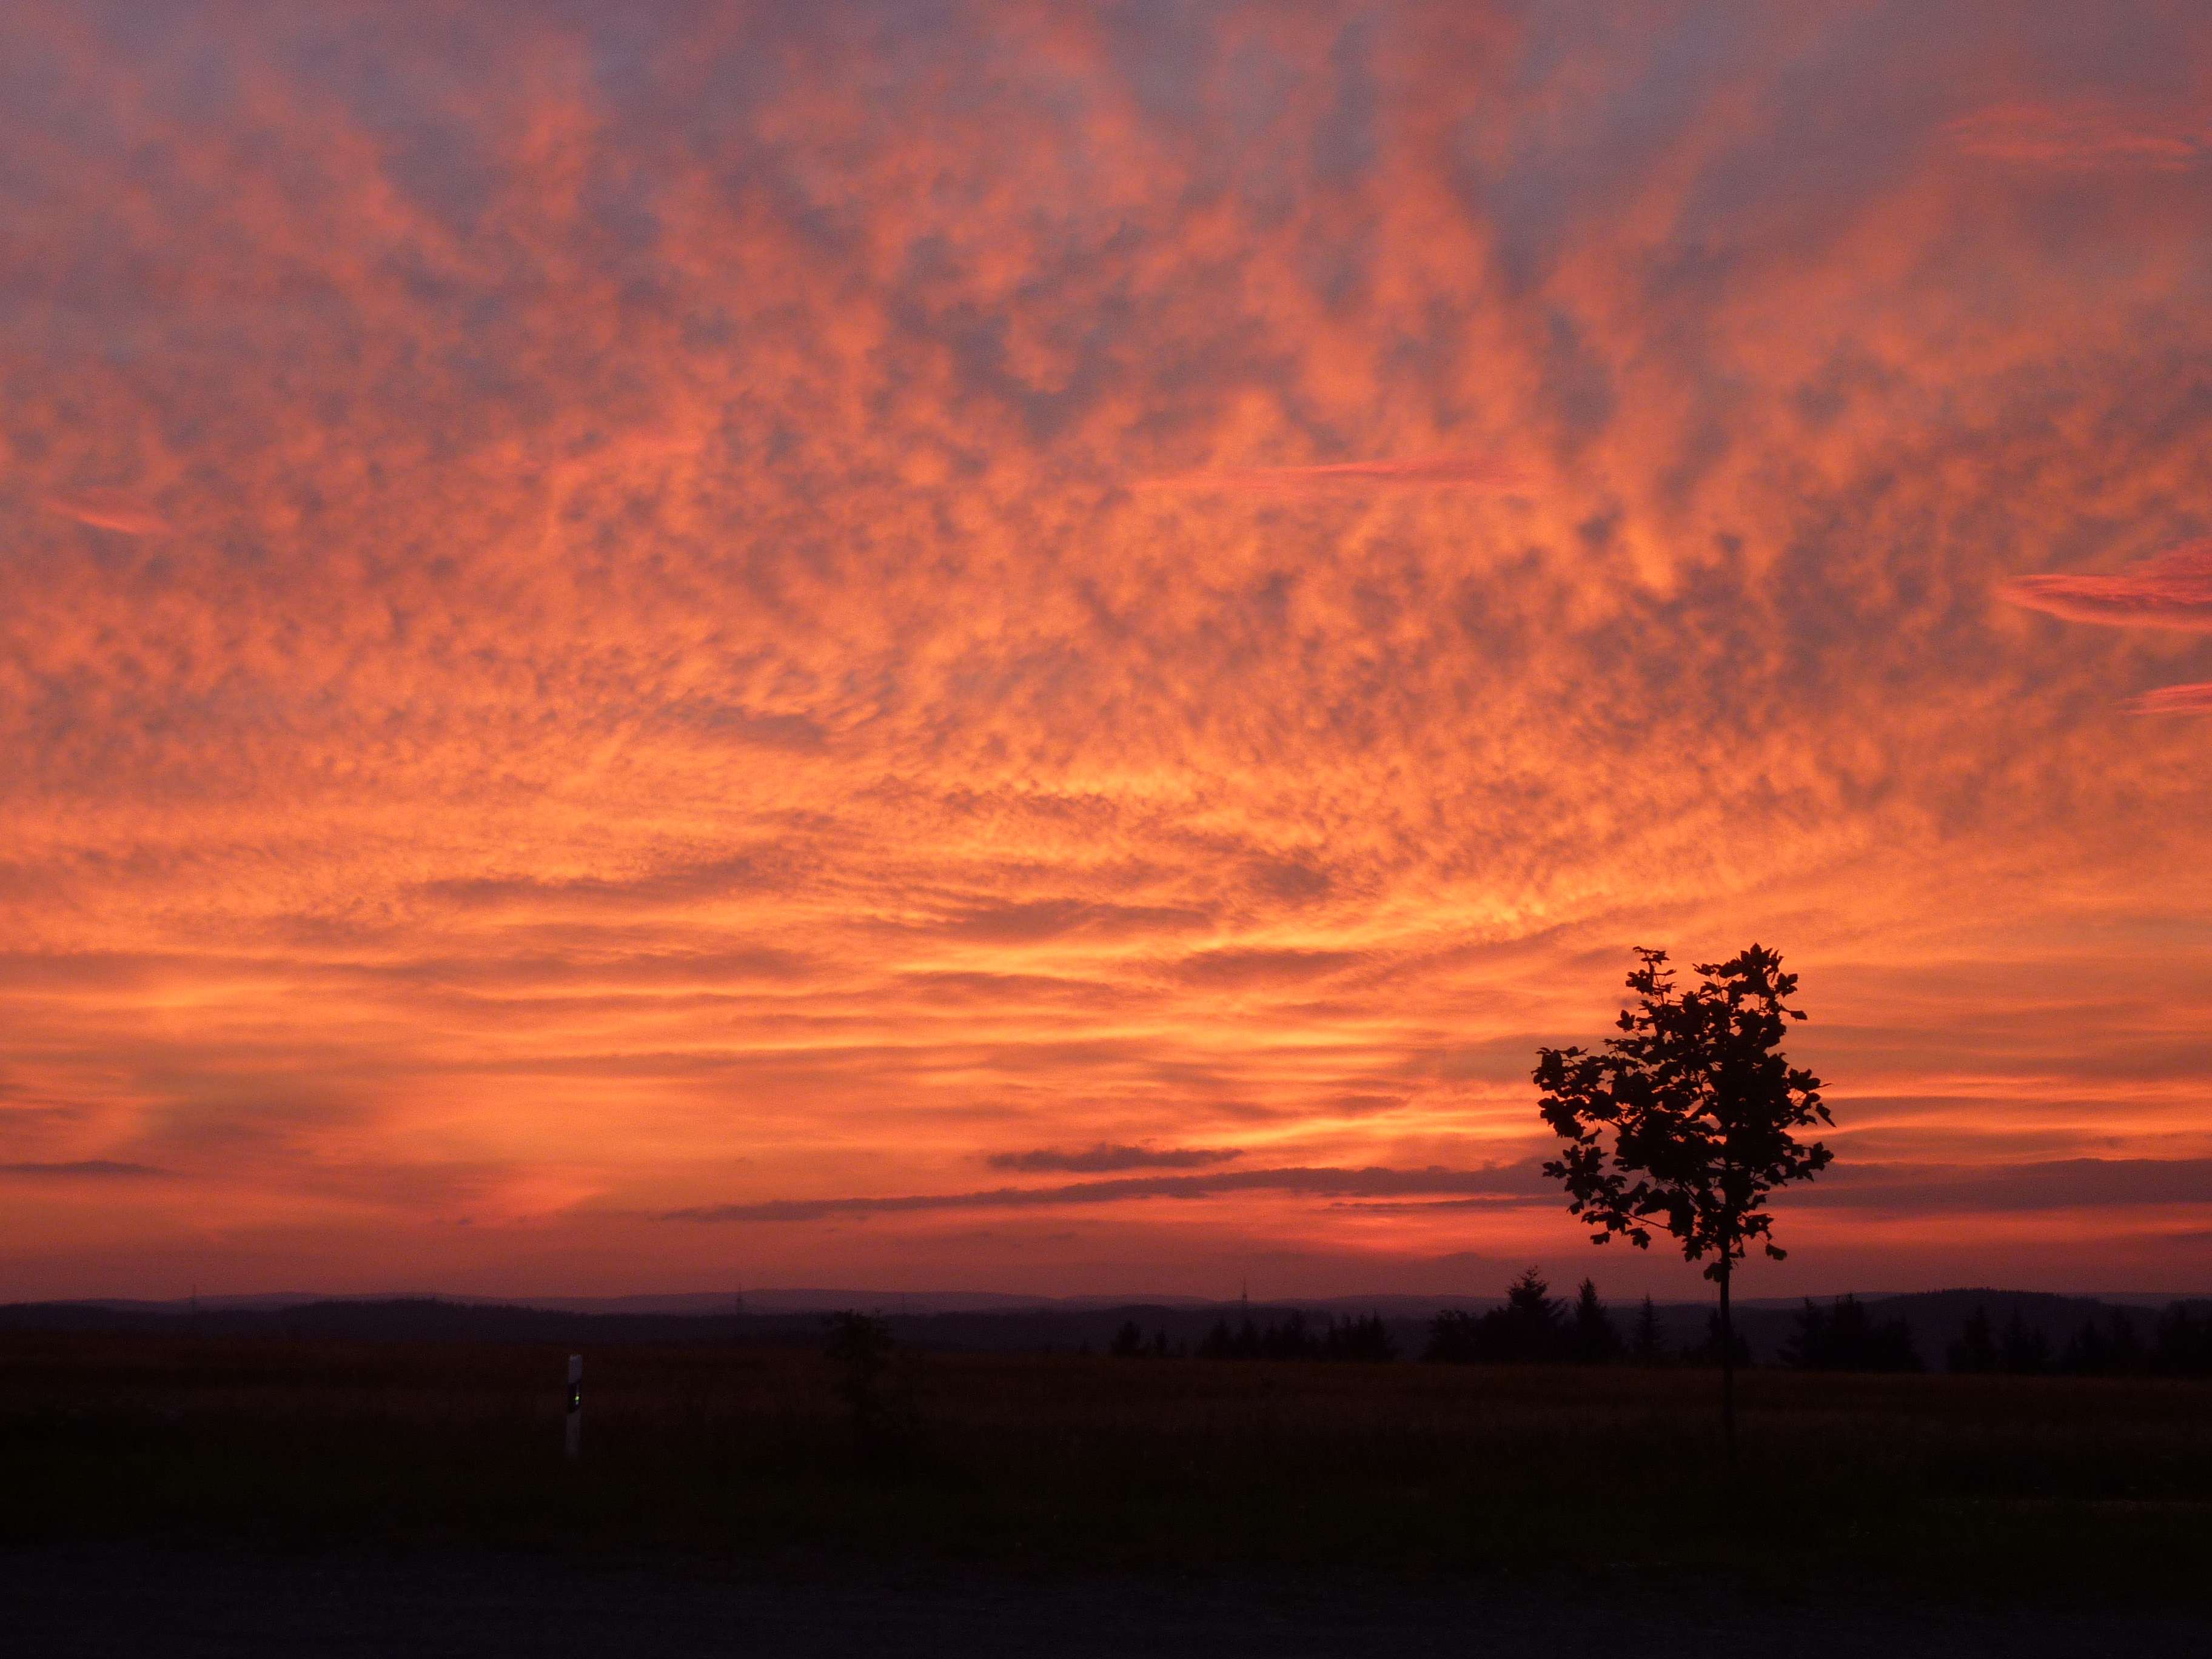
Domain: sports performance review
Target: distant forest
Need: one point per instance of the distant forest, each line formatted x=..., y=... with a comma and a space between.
x=1532, y=1327
x=1972, y=1331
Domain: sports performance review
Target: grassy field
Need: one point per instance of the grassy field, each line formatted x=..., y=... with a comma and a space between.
x=2097, y=1492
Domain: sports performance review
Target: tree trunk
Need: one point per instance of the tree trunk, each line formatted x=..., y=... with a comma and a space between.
x=1728, y=1367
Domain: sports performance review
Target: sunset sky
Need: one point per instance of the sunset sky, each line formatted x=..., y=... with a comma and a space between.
x=1031, y=646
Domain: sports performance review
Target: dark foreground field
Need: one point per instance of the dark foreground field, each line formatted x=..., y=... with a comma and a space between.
x=266, y=1495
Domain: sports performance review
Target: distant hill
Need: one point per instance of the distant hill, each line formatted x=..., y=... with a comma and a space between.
x=982, y=1321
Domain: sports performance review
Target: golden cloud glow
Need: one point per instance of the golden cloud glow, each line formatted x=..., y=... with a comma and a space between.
x=791, y=614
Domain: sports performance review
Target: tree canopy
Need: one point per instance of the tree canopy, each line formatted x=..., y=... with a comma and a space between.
x=1687, y=1119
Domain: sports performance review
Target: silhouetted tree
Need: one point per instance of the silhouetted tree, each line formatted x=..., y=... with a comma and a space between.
x=1975, y=1350
x=1686, y=1120
x=1721, y=1346
x=2184, y=1344
x=876, y=1389
x=1452, y=1337
x=1594, y=1341
x=1841, y=1337
x=2025, y=1352
x=1294, y=1337
x=2106, y=1347
x=1128, y=1342
x=1366, y=1339
x=1646, y=1347
x=1528, y=1327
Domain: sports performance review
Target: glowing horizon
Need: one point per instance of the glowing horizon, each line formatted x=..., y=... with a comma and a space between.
x=1029, y=647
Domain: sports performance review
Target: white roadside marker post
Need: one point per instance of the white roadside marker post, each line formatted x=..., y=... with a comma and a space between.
x=575, y=1405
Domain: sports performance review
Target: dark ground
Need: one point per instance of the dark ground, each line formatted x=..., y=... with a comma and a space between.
x=250, y=1496
x=114, y=1600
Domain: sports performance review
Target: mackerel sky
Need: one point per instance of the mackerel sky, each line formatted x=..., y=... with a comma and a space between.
x=1031, y=646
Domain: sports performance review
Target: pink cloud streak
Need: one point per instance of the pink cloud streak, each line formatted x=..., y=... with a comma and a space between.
x=109, y=510
x=2195, y=699
x=2080, y=137
x=2173, y=590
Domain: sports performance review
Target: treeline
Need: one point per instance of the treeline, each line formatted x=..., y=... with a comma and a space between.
x=2179, y=1343
x=1531, y=1327
x=1292, y=1337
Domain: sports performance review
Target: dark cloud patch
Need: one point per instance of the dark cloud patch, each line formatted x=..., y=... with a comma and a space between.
x=1508, y=1179
x=1035, y=921
x=531, y=970
x=752, y=869
x=971, y=987
x=85, y=1168
x=2055, y=1184
x=1105, y=1156
x=792, y=733
x=1292, y=881
x=1261, y=967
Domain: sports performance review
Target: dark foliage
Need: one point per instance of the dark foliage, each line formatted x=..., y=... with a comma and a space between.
x=875, y=1381
x=1646, y=1346
x=2023, y=1352
x=1720, y=1346
x=1593, y=1339
x=1841, y=1338
x=1529, y=1328
x=1293, y=1337
x=2183, y=1347
x=1975, y=1353
x=2107, y=1345
x=1686, y=1118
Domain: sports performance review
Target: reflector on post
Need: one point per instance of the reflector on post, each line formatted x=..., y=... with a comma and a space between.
x=576, y=1404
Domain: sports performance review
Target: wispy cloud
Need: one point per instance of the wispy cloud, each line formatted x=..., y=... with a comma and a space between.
x=2084, y=135
x=1106, y=1155
x=2049, y=1184
x=109, y=510
x=2195, y=699
x=2173, y=590
x=86, y=1168
x=1501, y=1180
